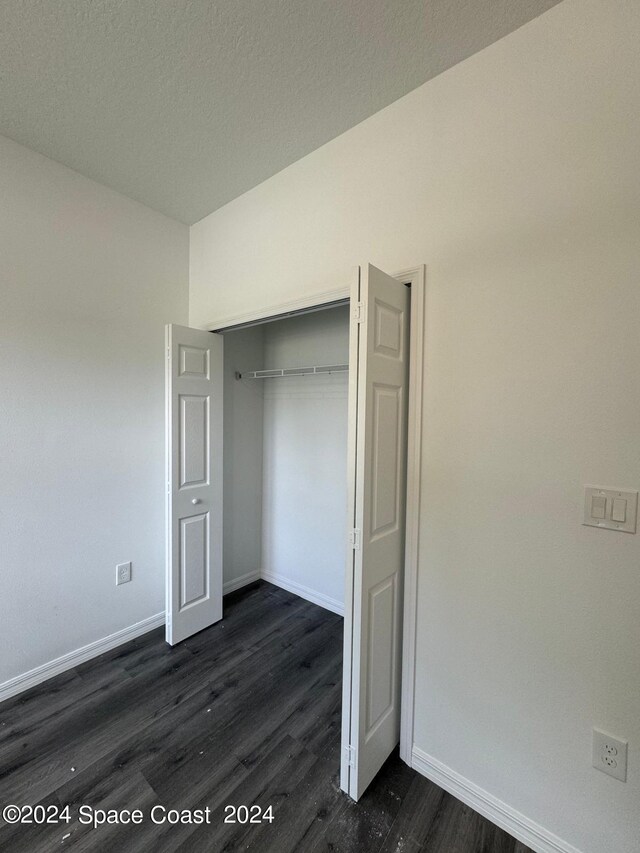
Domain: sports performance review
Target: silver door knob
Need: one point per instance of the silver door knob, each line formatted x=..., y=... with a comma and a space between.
x=195, y=501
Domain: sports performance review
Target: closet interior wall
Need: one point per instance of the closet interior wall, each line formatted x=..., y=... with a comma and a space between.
x=242, y=453
x=286, y=458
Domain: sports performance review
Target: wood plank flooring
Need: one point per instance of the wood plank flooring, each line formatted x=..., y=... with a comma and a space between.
x=246, y=712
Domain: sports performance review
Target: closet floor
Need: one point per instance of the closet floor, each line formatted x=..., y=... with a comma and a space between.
x=246, y=712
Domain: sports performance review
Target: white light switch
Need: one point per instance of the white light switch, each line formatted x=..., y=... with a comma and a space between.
x=598, y=506
x=612, y=509
x=619, y=511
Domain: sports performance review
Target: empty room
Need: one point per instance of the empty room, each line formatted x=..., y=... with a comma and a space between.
x=320, y=421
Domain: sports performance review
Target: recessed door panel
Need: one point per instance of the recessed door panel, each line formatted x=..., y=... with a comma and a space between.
x=194, y=559
x=388, y=326
x=387, y=418
x=381, y=659
x=194, y=361
x=194, y=440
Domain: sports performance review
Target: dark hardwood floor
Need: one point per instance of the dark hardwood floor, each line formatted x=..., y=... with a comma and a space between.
x=247, y=712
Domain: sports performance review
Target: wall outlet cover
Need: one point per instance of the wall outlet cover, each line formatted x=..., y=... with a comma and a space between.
x=123, y=573
x=610, y=754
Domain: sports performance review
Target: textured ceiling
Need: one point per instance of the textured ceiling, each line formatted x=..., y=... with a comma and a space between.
x=185, y=104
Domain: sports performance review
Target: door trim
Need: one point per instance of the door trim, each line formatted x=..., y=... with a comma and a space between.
x=279, y=311
x=416, y=278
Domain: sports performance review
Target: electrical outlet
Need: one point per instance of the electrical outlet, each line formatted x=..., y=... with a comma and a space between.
x=610, y=755
x=123, y=573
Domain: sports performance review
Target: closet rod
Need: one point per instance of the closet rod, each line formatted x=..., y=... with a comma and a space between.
x=292, y=371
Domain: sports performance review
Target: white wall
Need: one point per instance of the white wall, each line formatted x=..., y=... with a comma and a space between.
x=305, y=458
x=243, y=416
x=88, y=279
x=516, y=177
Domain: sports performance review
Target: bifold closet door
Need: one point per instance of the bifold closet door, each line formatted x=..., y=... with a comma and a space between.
x=194, y=393
x=374, y=586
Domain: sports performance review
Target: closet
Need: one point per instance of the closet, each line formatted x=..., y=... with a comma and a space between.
x=287, y=460
x=285, y=455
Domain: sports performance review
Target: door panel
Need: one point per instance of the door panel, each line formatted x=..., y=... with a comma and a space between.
x=381, y=639
x=194, y=481
x=194, y=440
x=194, y=361
x=373, y=629
x=194, y=558
x=387, y=426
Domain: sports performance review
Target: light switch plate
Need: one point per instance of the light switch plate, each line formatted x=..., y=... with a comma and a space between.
x=626, y=505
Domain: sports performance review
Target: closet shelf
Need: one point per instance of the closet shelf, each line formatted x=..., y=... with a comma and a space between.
x=292, y=371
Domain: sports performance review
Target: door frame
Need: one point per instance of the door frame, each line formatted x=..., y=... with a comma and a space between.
x=415, y=277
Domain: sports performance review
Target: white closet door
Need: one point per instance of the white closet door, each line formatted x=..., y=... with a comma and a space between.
x=194, y=481
x=373, y=604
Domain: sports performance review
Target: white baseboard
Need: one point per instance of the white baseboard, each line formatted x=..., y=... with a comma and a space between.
x=237, y=583
x=525, y=830
x=304, y=592
x=47, y=670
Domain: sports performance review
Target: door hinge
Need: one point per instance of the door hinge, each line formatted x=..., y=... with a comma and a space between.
x=350, y=756
x=358, y=312
x=354, y=538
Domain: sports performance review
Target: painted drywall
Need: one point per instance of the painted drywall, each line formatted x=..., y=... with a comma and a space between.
x=305, y=458
x=88, y=279
x=515, y=177
x=243, y=407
